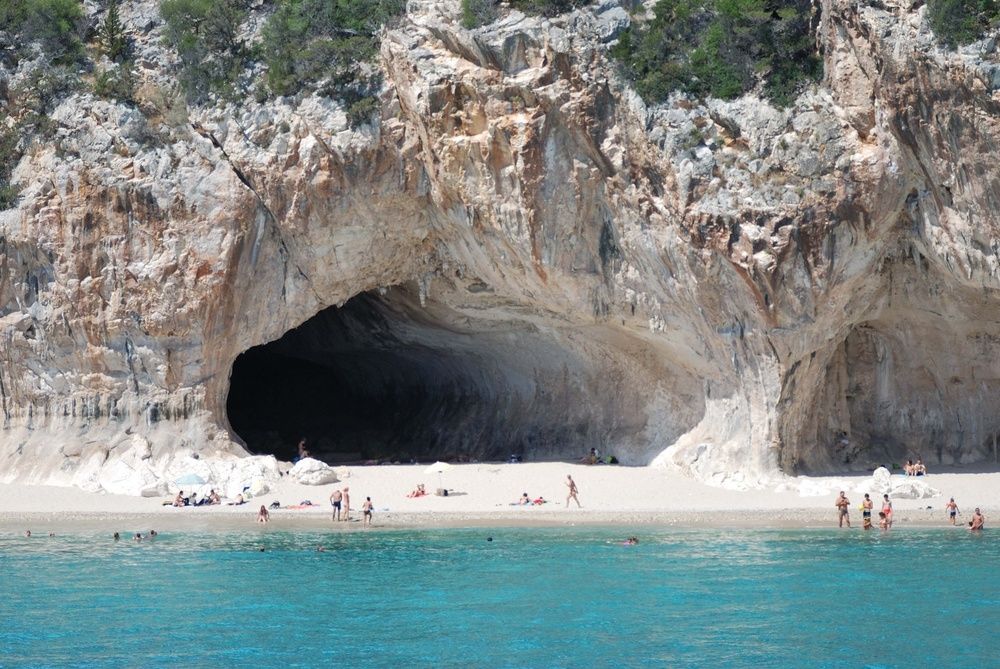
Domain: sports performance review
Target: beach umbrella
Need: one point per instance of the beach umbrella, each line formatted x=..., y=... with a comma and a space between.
x=437, y=468
x=190, y=480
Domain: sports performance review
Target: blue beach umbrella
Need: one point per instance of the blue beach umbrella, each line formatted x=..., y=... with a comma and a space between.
x=190, y=480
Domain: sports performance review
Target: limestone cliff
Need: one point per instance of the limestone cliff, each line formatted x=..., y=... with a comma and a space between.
x=519, y=257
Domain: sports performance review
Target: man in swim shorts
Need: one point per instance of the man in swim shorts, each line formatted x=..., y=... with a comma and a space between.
x=335, y=498
x=843, y=505
x=952, y=508
x=866, y=510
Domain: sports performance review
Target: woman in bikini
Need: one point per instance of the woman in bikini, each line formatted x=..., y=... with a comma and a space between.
x=887, y=509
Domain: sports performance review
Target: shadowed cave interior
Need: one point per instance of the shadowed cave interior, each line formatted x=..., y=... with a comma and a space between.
x=384, y=377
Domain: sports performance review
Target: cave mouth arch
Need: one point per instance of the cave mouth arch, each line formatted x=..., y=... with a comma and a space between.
x=385, y=377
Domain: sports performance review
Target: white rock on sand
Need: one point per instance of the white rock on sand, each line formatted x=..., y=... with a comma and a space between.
x=309, y=471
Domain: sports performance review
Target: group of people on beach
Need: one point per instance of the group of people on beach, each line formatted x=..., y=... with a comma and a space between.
x=885, y=515
x=211, y=499
x=340, y=500
x=572, y=492
x=917, y=468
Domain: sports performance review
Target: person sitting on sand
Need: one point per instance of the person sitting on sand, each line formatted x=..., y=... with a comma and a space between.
x=920, y=469
x=180, y=500
x=419, y=492
x=978, y=521
x=263, y=516
x=213, y=497
x=523, y=500
x=908, y=468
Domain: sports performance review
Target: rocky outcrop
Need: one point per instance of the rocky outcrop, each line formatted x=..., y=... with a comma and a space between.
x=539, y=262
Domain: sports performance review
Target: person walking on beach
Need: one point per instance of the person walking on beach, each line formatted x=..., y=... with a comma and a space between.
x=887, y=509
x=335, y=498
x=347, y=503
x=366, y=511
x=843, y=508
x=952, y=509
x=573, y=490
x=977, y=522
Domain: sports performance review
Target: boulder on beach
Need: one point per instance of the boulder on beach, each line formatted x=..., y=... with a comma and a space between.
x=913, y=488
x=310, y=471
x=881, y=480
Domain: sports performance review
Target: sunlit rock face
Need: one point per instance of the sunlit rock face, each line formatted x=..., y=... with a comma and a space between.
x=519, y=257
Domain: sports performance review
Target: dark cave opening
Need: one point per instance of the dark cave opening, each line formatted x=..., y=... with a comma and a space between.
x=386, y=378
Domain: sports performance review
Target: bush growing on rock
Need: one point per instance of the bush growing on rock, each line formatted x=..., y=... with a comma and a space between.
x=547, y=7
x=722, y=48
x=58, y=25
x=328, y=46
x=205, y=34
x=476, y=13
x=958, y=22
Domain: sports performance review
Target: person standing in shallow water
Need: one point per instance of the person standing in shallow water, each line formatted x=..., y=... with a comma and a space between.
x=573, y=490
x=866, y=511
x=346, y=495
x=843, y=510
x=887, y=509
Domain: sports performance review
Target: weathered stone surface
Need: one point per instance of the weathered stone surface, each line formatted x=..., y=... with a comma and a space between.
x=310, y=471
x=723, y=287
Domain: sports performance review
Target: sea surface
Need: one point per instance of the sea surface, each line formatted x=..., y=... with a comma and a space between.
x=566, y=597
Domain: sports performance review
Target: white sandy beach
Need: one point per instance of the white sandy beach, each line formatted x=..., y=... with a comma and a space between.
x=481, y=494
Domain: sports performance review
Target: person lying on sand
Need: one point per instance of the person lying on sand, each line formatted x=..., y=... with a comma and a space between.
x=419, y=492
x=236, y=502
x=538, y=501
x=523, y=500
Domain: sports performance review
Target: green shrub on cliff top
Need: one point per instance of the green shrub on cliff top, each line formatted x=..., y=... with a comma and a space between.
x=58, y=25
x=958, y=22
x=476, y=13
x=722, y=48
x=205, y=34
x=324, y=45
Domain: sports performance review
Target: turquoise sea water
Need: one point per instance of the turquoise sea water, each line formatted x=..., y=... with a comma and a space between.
x=530, y=598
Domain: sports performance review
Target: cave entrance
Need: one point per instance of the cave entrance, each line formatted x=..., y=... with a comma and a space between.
x=384, y=377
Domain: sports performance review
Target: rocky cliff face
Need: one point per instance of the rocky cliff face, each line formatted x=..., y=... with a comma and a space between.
x=520, y=257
